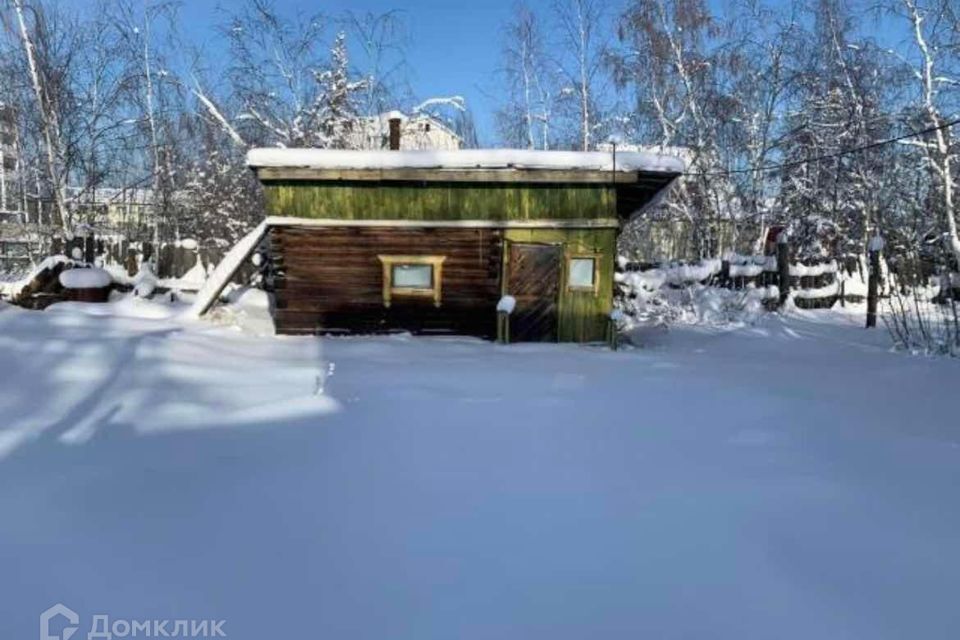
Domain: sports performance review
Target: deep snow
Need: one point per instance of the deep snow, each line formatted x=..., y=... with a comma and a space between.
x=793, y=479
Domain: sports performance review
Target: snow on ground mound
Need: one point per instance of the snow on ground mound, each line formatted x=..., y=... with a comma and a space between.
x=122, y=305
x=85, y=278
x=78, y=368
x=207, y=296
x=145, y=282
x=247, y=309
x=730, y=485
x=13, y=289
x=192, y=280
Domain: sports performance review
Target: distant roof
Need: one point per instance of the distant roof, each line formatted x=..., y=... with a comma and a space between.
x=382, y=121
x=466, y=160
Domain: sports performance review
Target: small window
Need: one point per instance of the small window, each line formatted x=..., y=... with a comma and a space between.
x=412, y=276
x=583, y=274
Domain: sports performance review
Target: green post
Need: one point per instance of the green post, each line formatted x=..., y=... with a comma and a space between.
x=613, y=329
x=503, y=327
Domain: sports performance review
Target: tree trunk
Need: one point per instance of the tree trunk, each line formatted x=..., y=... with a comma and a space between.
x=49, y=121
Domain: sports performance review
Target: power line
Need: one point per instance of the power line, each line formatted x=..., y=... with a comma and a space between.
x=829, y=156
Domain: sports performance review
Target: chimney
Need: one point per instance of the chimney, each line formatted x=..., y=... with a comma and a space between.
x=394, y=134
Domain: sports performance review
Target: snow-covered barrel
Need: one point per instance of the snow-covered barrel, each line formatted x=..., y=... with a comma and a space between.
x=86, y=284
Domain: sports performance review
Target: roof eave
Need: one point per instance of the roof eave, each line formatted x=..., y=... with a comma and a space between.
x=511, y=175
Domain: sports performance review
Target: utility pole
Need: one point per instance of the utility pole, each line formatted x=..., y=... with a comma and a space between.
x=873, y=281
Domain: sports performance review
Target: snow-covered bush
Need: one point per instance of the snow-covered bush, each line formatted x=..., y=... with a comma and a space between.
x=677, y=294
x=700, y=304
x=641, y=298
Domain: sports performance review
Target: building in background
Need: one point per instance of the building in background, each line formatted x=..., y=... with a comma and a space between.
x=418, y=132
x=124, y=210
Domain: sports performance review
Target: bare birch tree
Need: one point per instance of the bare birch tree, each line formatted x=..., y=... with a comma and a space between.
x=935, y=29
x=525, y=118
x=582, y=59
x=46, y=109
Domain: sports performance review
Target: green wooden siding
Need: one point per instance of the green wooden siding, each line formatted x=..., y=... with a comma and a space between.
x=439, y=201
x=583, y=315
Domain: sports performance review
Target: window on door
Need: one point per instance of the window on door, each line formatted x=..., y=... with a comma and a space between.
x=582, y=273
x=412, y=276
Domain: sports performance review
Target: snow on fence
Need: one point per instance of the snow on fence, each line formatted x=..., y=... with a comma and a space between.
x=812, y=285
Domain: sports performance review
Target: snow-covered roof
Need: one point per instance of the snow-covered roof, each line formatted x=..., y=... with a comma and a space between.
x=385, y=117
x=686, y=153
x=466, y=159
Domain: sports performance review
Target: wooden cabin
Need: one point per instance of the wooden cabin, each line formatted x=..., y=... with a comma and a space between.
x=429, y=241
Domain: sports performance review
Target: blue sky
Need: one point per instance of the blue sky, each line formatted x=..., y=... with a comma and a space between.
x=453, y=50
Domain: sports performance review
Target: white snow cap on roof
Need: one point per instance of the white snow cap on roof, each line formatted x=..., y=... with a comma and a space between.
x=466, y=159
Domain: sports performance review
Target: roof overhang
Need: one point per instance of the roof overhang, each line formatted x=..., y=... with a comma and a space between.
x=584, y=223
x=516, y=176
x=469, y=165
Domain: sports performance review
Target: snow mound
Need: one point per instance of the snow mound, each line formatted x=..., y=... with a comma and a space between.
x=228, y=266
x=144, y=282
x=85, y=278
x=192, y=280
x=13, y=289
x=713, y=306
x=120, y=306
x=564, y=492
x=646, y=301
x=247, y=309
x=118, y=273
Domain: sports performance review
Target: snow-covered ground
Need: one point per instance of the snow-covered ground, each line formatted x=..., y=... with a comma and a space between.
x=792, y=479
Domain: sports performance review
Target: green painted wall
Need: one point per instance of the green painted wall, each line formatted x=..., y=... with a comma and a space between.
x=583, y=315
x=439, y=201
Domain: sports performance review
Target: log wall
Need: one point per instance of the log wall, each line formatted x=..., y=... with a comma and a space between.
x=329, y=280
x=440, y=201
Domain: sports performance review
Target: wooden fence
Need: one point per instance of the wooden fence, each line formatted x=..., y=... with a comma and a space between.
x=812, y=284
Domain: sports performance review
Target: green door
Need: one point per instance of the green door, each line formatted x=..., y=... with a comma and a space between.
x=534, y=281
